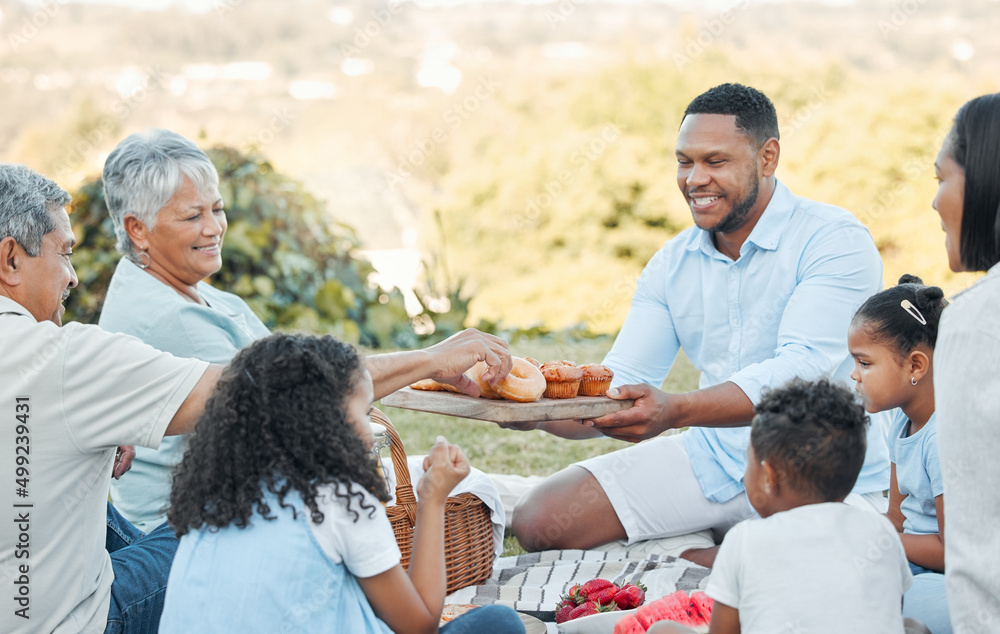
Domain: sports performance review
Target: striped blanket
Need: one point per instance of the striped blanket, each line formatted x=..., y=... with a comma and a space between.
x=533, y=583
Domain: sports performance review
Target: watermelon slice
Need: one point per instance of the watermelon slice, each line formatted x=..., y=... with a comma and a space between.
x=678, y=606
x=629, y=625
x=651, y=613
x=701, y=605
x=692, y=611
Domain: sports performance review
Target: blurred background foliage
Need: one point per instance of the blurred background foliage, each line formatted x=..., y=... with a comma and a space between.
x=537, y=188
x=556, y=216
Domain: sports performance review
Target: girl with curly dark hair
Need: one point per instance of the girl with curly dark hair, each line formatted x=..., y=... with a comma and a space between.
x=280, y=508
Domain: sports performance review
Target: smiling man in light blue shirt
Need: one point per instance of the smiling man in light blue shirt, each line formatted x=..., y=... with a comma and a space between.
x=761, y=290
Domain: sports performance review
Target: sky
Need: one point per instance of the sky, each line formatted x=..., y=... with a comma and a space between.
x=208, y=5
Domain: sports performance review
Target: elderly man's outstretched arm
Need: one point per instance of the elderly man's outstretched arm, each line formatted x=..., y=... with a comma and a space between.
x=191, y=409
x=444, y=362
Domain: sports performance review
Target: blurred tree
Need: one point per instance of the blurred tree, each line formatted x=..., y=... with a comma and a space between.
x=553, y=220
x=282, y=254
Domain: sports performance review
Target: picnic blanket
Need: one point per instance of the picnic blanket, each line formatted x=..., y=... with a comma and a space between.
x=533, y=583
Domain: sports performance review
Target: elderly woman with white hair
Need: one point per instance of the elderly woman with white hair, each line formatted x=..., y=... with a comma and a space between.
x=163, y=195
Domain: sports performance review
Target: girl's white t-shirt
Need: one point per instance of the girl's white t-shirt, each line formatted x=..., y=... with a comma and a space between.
x=366, y=546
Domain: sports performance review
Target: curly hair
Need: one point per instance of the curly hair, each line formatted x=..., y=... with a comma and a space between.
x=754, y=112
x=816, y=430
x=904, y=316
x=276, y=422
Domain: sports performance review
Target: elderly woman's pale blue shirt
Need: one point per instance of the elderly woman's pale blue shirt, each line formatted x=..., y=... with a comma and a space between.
x=140, y=305
x=780, y=311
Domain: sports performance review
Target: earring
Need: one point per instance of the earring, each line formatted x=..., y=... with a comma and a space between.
x=142, y=265
x=913, y=381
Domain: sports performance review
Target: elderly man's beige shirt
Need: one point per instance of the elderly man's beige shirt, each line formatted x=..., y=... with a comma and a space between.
x=69, y=397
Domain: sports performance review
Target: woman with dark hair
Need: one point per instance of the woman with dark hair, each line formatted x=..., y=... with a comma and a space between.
x=967, y=365
x=280, y=508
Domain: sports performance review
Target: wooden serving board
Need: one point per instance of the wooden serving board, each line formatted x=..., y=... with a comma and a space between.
x=505, y=411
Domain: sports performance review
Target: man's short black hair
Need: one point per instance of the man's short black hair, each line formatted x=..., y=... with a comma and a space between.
x=754, y=112
x=815, y=432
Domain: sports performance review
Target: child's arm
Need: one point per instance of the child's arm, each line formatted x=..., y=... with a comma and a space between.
x=928, y=550
x=894, y=514
x=725, y=619
x=411, y=602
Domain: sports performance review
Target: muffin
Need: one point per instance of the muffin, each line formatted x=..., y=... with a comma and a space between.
x=596, y=379
x=562, y=379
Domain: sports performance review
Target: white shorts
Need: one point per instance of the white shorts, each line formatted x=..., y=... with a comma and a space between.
x=655, y=493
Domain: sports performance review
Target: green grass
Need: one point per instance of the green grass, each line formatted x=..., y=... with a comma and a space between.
x=496, y=450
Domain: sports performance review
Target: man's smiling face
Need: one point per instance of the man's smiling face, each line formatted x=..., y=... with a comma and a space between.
x=48, y=276
x=717, y=171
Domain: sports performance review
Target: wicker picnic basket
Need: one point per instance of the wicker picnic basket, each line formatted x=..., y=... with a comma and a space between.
x=468, y=532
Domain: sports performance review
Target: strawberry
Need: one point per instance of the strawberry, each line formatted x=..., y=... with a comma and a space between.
x=563, y=613
x=593, y=586
x=630, y=596
x=591, y=607
x=585, y=609
x=565, y=602
x=604, y=595
x=574, y=594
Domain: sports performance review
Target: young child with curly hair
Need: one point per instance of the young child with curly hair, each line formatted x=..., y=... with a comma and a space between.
x=280, y=508
x=811, y=563
x=892, y=339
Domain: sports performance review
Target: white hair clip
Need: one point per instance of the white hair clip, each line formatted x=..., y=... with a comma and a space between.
x=913, y=310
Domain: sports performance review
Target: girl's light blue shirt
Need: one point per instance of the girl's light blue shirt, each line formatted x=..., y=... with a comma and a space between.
x=270, y=577
x=140, y=305
x=918, y=473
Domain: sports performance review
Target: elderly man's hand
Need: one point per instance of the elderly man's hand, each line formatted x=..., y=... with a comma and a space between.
x=651, y=415
x=459, y=352
x=123, y=460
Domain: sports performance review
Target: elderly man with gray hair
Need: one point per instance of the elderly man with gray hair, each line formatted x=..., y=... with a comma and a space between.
x=72, y=395
x=75, y=393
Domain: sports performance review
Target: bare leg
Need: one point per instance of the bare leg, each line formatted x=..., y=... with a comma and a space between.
x=701, y=556
x=567, y=510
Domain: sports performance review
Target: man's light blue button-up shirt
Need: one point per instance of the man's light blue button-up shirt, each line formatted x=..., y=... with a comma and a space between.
x=780, y=311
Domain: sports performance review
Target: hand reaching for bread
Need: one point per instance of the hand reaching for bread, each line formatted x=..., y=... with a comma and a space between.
x=528, y=381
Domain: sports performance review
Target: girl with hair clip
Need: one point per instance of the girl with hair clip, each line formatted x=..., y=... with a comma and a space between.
x=892, y=339
x=280, y=511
